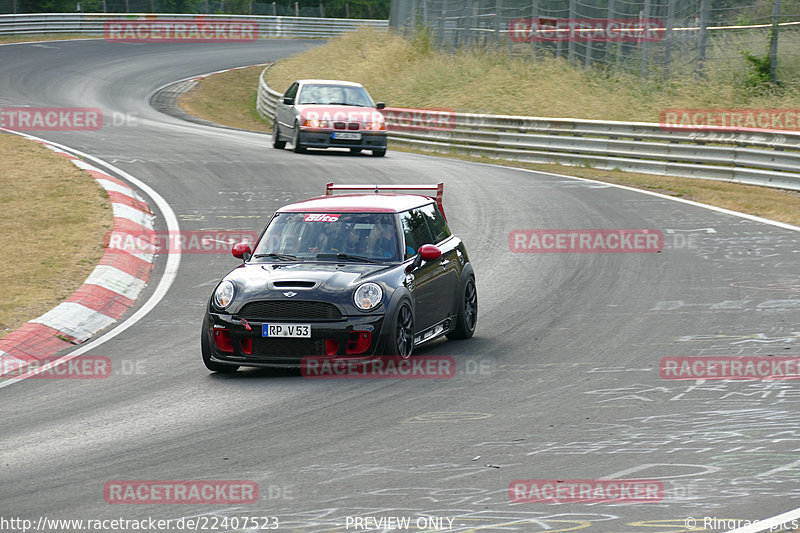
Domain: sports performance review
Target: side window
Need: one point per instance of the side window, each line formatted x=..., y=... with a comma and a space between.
x=437, y=223
x=415, y=231
x=291, y=92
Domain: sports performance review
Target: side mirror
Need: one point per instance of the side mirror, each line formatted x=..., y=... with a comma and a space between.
x=427, y=252
x=241, y=250
x=288, y=101
x=380, y=105
x=430, y=252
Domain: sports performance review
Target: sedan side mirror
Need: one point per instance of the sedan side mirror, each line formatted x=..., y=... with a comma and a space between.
x=380, y=105
x=241, y=250
x=288, y=101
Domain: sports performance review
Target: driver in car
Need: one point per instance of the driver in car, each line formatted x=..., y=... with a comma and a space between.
x=384, y=243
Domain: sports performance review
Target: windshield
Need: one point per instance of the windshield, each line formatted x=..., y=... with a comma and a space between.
x=325, y=94
x=331, y=237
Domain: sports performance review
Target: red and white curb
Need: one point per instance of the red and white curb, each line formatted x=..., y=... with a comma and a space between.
x=106, y=294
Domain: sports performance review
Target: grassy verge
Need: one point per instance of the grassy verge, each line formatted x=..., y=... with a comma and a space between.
x=54, y=217
x=227, y=98
x=410, y=73
x=43, y=37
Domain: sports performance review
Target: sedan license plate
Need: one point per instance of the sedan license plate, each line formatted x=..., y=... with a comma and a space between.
x=346, y=135
x=300, y=331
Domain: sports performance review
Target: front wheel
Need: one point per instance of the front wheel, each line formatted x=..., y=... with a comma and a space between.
x=467, y=312
x=299, y=148
x=379, y=153
x=207, y=350
x=401, y=338
x=276, y=142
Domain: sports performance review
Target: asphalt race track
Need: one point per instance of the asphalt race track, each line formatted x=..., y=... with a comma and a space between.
x=560, y=382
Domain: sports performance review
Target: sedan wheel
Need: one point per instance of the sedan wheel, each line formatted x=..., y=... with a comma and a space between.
x=276, y=142
x=298, y=147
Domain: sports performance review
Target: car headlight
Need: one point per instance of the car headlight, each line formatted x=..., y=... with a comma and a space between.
x=223, y=294
x=368, y=296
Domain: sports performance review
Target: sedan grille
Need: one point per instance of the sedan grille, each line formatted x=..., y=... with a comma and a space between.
x=280, y=310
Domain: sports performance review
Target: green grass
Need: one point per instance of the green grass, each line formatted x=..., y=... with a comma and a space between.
x=411, y=73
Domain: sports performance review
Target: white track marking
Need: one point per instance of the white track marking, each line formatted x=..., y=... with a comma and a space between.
x=164, y=284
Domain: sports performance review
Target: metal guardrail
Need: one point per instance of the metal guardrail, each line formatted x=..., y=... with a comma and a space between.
x=765, y=158
x=268, y=26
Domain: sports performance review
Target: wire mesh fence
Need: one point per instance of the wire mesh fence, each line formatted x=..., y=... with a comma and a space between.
x=650, y=37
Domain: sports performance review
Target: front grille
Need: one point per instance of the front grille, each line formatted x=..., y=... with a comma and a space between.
x=295, y=310
x=292, y=348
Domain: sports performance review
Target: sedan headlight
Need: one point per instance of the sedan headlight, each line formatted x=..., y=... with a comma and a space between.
x=223, y=295
x=368, y=296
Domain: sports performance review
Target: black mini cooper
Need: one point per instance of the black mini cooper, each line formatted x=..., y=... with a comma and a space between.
x=345, y=276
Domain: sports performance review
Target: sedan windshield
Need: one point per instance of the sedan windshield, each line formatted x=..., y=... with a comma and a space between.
x=348, y=237
x=325, y=94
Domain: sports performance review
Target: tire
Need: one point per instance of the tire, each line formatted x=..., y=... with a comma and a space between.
x=355, y=150
x=467, y=312
x=276, y=142
x=379, y=153
x=400, y=340
x=206, y=348
x=299, y=148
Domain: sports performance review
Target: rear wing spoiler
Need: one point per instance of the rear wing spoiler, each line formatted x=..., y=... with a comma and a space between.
x=439, y=188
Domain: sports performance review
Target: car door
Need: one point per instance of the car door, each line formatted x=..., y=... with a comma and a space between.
x=285, y=114
x=434, y=282
x=450, y=261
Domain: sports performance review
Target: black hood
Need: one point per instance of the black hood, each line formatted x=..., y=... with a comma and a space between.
x=326, y=281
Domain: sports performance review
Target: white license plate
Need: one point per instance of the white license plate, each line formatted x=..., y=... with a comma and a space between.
x=300, y=331
x=346, y=135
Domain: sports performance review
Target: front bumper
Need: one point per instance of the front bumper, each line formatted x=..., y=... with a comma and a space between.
x=324, y=139
x=289, y=352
